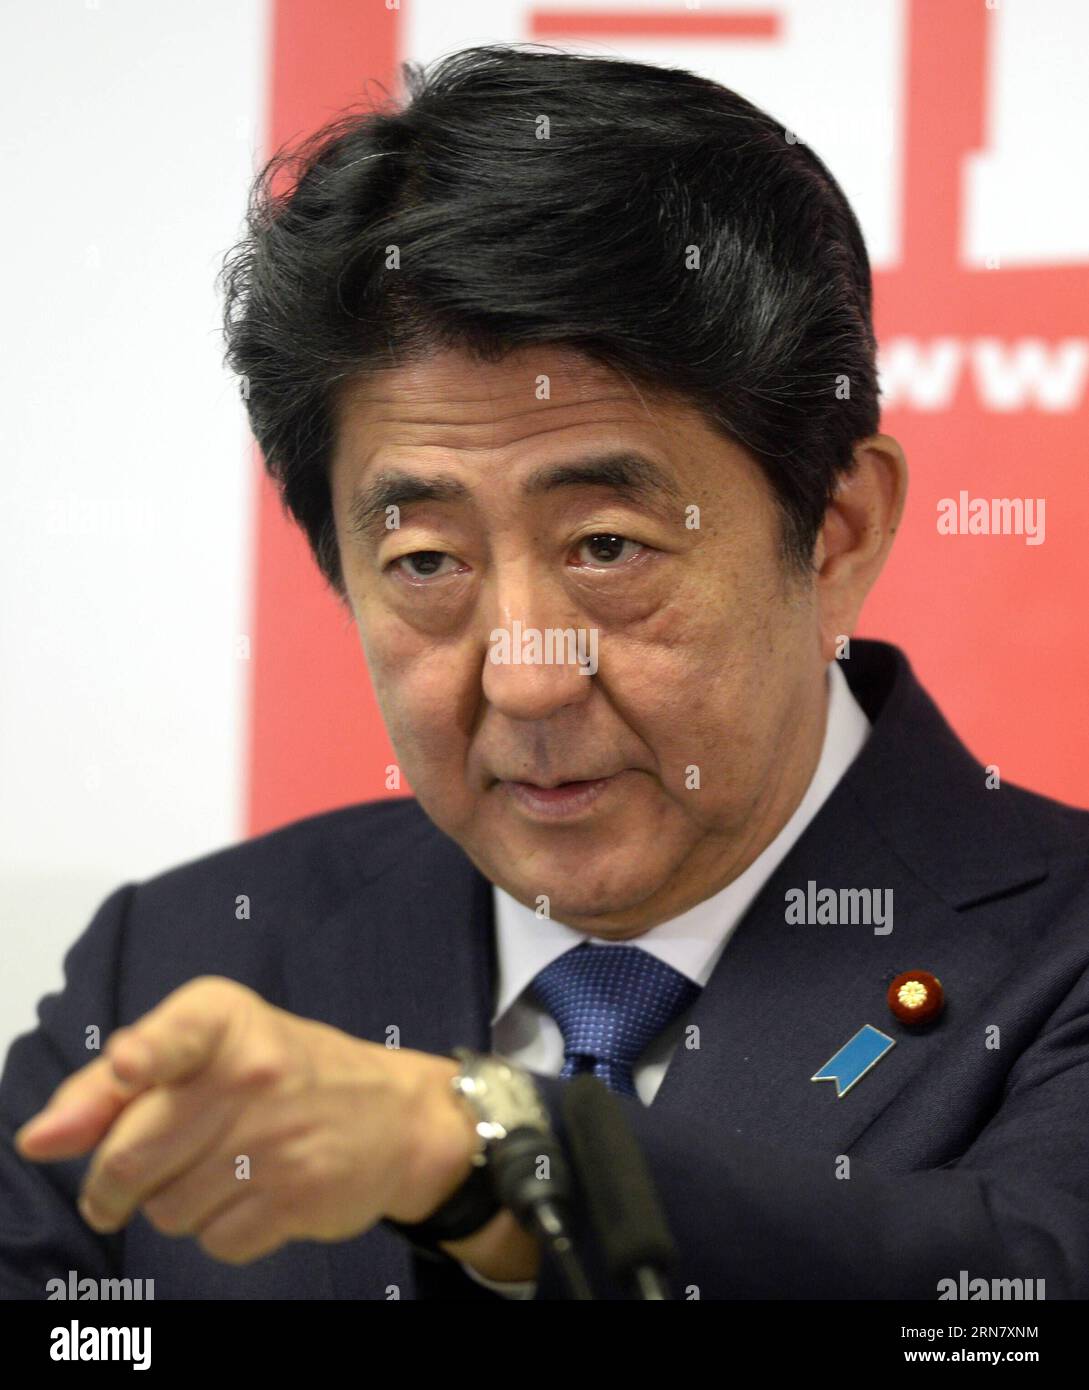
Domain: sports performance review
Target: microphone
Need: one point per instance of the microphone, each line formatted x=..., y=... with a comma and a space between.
x=624, y=1209
x=531, y=1177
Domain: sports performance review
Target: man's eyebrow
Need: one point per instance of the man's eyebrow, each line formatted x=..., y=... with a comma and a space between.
x=629, y=474
x=368, y=510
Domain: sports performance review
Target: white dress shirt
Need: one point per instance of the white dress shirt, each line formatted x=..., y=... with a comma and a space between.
x=690, y=943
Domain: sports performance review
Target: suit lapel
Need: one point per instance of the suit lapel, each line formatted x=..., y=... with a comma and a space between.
x=784, y=998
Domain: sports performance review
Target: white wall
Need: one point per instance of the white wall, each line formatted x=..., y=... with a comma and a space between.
x=129, y=134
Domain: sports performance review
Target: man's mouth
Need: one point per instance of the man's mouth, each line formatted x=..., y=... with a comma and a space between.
x=558, y=799
x=555, y=782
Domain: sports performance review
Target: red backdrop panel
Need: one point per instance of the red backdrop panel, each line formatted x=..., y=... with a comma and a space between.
x=316, y=736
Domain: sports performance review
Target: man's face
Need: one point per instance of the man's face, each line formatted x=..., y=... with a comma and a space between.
x=624, y=796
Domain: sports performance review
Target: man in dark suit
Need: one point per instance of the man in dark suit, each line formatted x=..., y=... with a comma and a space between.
x=963, y=1156
x=671, y=826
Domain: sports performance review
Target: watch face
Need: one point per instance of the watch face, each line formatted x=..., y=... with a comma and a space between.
x=519, y=1091
x=503, y=1095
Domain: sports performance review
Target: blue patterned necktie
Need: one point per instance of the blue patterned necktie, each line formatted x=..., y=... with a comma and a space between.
x=610, y=1002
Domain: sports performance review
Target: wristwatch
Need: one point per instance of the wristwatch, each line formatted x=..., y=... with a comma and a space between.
x=501, y=1097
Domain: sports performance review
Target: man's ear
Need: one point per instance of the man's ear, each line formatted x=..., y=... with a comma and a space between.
x=857, y=534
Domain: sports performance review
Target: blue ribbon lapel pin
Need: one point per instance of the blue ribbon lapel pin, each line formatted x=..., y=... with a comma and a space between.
x=855, y=1058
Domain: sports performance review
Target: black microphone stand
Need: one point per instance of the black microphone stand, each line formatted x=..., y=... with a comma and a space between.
x=624, y=1208
x=533, y=1180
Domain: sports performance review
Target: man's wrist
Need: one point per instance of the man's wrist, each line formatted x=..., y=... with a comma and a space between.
x=501, y=1250
x=441, y=1140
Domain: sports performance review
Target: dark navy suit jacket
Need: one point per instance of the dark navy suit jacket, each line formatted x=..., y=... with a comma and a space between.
x=963, y=1155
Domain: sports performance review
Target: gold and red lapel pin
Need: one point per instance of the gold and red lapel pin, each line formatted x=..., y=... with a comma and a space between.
x=916, y=997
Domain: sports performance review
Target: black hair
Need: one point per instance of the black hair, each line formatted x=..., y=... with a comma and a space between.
x=584, y=238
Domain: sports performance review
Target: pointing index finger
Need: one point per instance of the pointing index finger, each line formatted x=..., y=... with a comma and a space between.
x=77, y=1115
x=170, y=1043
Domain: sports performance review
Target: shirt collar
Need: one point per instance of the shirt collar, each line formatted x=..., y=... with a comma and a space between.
x=693, y=941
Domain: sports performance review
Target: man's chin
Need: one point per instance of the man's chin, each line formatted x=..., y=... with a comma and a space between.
x=603, y=866
x=603, y=917
x=583, y=895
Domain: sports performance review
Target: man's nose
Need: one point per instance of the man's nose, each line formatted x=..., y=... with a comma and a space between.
x=538, y=656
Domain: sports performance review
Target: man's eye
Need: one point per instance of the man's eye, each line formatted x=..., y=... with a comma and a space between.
x=606, y=549
x=424, y=564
